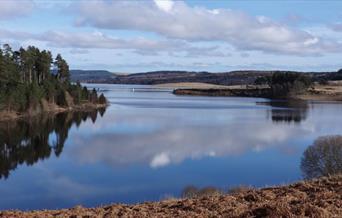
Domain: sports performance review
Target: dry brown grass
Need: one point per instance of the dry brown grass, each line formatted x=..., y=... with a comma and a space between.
x=192, y=85
x=196, y=85
x=329, y=92
x=315, y=198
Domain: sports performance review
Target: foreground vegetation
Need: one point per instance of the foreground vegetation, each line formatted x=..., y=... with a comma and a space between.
x=313, y=198
x=32, y=81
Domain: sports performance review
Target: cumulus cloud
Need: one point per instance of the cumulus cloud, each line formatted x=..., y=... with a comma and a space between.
x=175, y=19
x=164, y=5
x=10, y=9
x=160, y=160
x=98, y=40
x=174, y=144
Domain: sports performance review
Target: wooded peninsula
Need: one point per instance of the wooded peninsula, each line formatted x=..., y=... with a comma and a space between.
x=32, y=81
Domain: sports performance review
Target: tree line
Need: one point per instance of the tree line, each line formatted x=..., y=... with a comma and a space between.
x=285, y=84
x=30, y=76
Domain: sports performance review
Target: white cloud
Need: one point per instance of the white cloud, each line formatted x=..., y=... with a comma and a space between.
x=174, y=145
x=99, y=40
x=160, y=160
x=311, y=41
x=10, y=9
x=201, y=24
x=164, y=5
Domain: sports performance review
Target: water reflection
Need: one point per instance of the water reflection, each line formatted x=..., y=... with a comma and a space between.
x=173, y=144
x=147, y=139
x=293, y=111
x=28, y=141
x=323, y=158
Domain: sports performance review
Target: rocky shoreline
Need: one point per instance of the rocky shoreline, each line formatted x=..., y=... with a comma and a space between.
x=314, y=198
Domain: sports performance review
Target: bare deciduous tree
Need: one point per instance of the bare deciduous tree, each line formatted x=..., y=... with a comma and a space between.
x=323, y=158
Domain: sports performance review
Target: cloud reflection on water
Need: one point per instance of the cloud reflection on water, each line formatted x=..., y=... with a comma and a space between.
x=172, y=144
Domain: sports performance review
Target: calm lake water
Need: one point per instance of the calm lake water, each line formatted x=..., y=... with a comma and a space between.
x=150, y=144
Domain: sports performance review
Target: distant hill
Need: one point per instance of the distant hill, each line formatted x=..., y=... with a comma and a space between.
x=162, y=77
x=91, y=76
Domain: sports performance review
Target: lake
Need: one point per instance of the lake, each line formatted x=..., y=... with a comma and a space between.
x=150, y=144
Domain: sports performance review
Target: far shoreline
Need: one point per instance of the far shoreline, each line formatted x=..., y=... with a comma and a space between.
x=315, y=93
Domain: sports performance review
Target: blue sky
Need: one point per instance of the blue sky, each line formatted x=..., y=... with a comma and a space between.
x=201, y=35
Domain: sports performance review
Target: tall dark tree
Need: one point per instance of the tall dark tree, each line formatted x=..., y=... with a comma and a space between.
x=44, y=65
x=62, y=66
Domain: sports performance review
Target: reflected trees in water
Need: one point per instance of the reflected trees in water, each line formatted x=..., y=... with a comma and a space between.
x=323, y=158
x=294, y=111
x=34, y=139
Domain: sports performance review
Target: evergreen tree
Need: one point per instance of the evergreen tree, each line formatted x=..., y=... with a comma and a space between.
x=93, y=96
x=26, y=79
x=63, y=73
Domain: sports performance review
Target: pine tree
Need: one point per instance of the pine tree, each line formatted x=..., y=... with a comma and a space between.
x=26, y=79
x=63, y=73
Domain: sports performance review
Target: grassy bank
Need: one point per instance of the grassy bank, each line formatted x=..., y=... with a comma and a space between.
x=314, y=198
x=226, y=92
x=329, y=92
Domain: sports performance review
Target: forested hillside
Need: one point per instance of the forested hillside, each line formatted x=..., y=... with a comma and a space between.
x=32, y=80
x=242, y=77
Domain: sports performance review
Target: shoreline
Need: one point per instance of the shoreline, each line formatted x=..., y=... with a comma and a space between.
x=317, y=93
x=214, y=92
x=313, y=198
x=53, y=109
